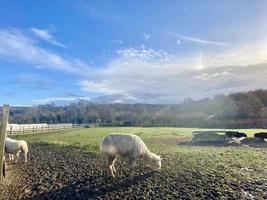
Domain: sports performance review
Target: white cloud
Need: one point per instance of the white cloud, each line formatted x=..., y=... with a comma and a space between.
x=20, y=105
x=215, y=75
x=143, y=53
x=147, y=36
x=112, y=98
x=153, y=76
x=198, y=40
x=103, y=87
x=148, y=75
x=60, y=100
x=116, y=98
x=45, y=35
x=19, y=47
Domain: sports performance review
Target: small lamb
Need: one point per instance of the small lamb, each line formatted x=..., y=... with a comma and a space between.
x=129, y=146
x=15, y=147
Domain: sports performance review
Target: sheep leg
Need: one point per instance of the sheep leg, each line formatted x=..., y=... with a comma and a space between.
x=11, y=156
x=109, y=163
x=25, y=157
x=7, y=156
x=16, y=157
x=131, y=166
x=113, y=166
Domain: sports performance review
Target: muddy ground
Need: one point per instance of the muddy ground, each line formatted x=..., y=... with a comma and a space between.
x=55, y=172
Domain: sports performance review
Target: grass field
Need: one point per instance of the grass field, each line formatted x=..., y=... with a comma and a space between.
x=223, y=172
x=89, y=138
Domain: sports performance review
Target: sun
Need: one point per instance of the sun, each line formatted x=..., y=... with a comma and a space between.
x=200, y=66
x=200, y=61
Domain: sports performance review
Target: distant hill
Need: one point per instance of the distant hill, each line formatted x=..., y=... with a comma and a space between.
x=238, y=110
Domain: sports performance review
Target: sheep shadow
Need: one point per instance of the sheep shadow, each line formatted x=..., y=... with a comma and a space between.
x=84, y=190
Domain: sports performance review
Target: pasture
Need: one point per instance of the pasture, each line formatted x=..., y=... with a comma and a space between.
x=69, y=164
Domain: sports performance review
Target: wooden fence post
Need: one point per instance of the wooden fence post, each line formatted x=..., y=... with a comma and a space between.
x=2, y=139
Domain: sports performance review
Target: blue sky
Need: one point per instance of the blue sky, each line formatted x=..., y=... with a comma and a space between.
x=130, y=51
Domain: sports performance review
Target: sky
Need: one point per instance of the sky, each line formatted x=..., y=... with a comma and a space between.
x=130, y=51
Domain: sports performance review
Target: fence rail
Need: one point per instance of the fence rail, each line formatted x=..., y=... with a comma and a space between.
x=13, y=129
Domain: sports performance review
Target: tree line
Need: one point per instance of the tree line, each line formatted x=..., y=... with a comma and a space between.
x=238, y=110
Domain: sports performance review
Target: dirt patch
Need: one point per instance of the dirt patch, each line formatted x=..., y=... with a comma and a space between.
x=55, y=172
x=9, y=186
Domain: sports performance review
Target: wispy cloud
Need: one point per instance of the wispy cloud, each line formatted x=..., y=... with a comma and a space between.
x=154, y=76
x=198, y=40
x=104, y=15
x=16, y=45
x=116, y=98
x=32, y=81
x=143, y=53
x=60, y=100
x=46, y=36
x=26, y=81
x=215, y=75
x=147, y=75
x=102, y=87
x=147, y=36
x=112, y=98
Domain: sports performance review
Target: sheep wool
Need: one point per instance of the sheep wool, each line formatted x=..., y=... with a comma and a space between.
x=15, y=147
x=129, y=146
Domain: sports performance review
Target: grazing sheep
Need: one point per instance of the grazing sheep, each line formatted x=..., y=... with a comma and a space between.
x=129, y=146
x=15, y=147
x=261, y=135
x=235, y=134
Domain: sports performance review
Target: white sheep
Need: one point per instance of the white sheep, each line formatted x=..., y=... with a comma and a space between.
x=15, y=147
x=129, y=146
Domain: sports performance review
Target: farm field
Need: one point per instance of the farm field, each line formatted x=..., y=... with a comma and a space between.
x=68, y=164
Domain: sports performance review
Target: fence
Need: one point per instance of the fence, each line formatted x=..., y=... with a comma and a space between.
x=2, y=140
x=34, y=128
x=42, y=128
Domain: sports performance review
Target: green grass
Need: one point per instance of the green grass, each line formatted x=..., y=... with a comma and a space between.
x=231, y=164
x=159, y=139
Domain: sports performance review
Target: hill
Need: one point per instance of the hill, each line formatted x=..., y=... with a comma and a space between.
x=238, y=110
